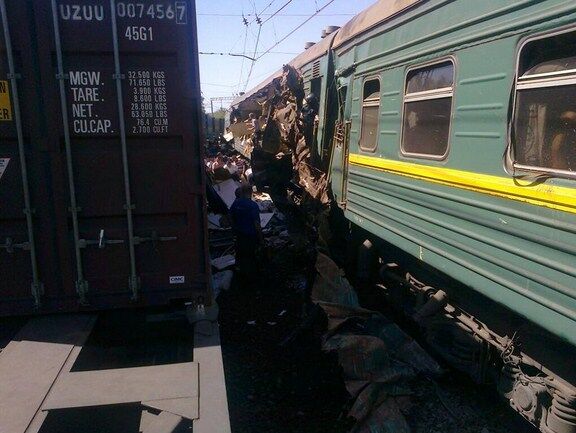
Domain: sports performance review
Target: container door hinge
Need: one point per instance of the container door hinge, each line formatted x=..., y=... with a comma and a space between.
x=134, y=285
x=37, y=292
x=82, y=290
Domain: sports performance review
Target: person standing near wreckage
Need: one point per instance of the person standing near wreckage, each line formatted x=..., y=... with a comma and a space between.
x=255, y=125
x=245, y=219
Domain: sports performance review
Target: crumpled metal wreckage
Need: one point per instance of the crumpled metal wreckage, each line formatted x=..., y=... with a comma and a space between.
x=377, y=358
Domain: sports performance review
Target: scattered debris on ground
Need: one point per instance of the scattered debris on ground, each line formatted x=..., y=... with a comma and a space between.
x=301, y=353
x=276, y=386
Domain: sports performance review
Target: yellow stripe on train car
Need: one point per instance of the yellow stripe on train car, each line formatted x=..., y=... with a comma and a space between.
x=5, y=106
x=555, y=197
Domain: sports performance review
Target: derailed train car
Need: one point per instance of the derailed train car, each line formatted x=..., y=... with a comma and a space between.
x=316, y=66
x=448, y=128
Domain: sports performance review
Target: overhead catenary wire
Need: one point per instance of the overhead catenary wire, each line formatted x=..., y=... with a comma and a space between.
x=236, y=40
x=220, y=53
x=253, y=57
x=243, y=59
x=226, y=54
x=217, y=84
x=269, y=4
x=295, y=29
x=259, y=54
x=277, y=12
x=267, y=15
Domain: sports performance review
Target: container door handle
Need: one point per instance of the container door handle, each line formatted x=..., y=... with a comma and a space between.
x=101, y=242
x=154, y=238
x=10, y=246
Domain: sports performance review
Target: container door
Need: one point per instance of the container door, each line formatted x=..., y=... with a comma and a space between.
x=25, y=244
x=129, y=192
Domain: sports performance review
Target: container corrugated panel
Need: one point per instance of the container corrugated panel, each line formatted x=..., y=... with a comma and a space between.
x=100, y=129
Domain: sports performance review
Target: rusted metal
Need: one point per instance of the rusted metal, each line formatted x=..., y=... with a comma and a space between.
x=111, y=134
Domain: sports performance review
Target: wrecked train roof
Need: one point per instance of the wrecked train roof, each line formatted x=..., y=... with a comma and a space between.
x=314, y=52
x=370, y=18
x=366, y=20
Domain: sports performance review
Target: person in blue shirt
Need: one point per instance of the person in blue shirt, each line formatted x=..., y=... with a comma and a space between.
x=245, y=218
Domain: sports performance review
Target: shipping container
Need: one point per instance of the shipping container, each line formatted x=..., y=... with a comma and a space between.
x=102, y=194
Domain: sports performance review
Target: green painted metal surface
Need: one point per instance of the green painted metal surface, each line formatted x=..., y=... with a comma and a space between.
x=518, y=254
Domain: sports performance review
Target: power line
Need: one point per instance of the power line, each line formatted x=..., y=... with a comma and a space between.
x=242, y=55
x=217, y=85
x=275, y=34
x=265, y=74
x=253, y=57
x=280, y=15
x=269, y=4
x=261, y=23
x=295, y=29
x=227, y=54
x=277, y=12
x=243, y=59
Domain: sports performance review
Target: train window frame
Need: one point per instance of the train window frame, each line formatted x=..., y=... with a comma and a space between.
x=370, y=104
x=568, y=77
x=428, y=95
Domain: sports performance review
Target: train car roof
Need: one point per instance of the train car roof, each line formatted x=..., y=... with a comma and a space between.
x=370, y=18
x=314, y=52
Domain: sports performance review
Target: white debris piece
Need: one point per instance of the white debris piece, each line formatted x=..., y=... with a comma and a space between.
x=214, y=221
x=265, y=219
x=221, y=281
x=226, y=190
x=223, y=262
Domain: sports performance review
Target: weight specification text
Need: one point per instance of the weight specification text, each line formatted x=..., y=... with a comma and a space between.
x=86, y=95
x=148, y=102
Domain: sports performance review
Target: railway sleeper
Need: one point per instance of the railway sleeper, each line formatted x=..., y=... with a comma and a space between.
x=470, y=346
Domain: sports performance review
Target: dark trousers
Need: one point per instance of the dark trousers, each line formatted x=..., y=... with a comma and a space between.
x=246, y=247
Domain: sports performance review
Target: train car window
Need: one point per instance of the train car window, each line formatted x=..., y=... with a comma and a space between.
x=544, y=135
x=428, y=110
x=370, y=110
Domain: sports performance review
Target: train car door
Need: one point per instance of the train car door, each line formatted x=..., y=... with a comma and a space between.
x=339, y=159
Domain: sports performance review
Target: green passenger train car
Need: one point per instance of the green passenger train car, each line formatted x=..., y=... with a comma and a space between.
x=451, y=138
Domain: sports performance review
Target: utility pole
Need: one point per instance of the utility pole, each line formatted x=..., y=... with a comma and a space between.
x=212, y=111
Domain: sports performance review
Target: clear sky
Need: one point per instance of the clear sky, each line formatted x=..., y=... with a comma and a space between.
x=221, y=30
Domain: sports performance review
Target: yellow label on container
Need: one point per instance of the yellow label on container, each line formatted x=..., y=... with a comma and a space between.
x=5, y=106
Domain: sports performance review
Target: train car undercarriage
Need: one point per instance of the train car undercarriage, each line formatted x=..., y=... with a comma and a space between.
x=531, y=376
